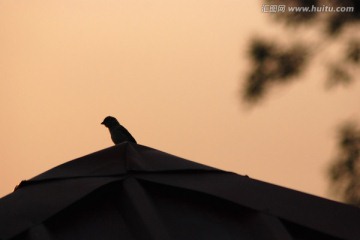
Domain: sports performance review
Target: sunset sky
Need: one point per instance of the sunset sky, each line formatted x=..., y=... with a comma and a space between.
x=171, y=72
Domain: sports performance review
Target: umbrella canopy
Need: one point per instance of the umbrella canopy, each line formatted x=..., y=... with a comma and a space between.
x=130, y=191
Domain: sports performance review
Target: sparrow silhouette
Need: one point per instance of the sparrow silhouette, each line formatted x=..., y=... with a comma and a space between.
x=118, y=133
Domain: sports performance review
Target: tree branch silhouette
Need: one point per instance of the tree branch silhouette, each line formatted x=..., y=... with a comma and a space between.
x=274, y=63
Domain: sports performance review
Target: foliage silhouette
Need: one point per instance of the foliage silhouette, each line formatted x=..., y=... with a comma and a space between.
x=272, y=63
x=345, y=169
x=334, y=42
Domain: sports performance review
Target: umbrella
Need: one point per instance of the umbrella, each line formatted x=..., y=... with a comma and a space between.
x=130, y=191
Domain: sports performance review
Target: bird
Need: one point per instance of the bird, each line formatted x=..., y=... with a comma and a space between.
x=119, y=134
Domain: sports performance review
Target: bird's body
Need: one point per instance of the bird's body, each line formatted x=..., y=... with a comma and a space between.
x=118, y=133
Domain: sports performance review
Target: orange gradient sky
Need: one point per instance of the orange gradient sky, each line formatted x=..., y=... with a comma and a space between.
x=170, y=71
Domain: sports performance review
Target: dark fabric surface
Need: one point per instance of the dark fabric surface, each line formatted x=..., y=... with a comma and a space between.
x=323, y=215
x=131, y=191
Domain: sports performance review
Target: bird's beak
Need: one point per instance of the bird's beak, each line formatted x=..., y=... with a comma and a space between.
x=102, y=123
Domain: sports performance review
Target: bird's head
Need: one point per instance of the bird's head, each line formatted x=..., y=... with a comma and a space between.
x=110, y=122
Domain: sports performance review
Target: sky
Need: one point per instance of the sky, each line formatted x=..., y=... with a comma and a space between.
x=171, y=72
